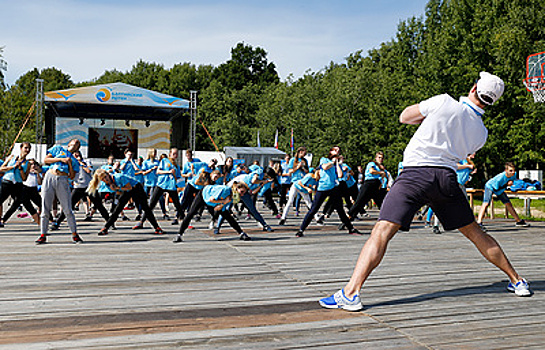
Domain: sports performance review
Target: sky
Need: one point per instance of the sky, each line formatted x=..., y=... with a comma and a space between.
x=86, y=38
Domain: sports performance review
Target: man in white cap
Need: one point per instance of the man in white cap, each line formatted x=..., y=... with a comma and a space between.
x=449, y=131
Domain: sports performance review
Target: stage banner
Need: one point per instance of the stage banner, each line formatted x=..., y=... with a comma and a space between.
x=117, y=94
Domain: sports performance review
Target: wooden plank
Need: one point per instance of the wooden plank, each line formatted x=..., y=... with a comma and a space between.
x=431, y=291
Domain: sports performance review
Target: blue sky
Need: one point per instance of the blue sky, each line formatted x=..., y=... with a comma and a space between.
x=86, y=38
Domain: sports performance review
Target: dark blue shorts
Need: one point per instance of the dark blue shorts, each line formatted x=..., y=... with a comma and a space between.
x=418, y=186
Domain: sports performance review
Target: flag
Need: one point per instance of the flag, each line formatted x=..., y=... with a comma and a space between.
x=258, y=142
x=276, y=139
x=292, y=142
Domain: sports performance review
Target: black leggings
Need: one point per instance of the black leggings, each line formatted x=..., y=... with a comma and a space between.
x=156, y=195
x=139, y=197
x=14, y=190
x=161, y=200
x=349, y=194
x=269, y=201
x=284, y=188
x=197, y=205
x=79, y=194
x=371, y=189
x=29, y=195
x=190, y=192
x=336, y=203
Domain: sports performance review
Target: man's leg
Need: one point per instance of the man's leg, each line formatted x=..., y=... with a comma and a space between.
x=482, y=212
x=64, y=195
x=490, y=249
x=48, y=195
x=371, y=255
x=512, y=211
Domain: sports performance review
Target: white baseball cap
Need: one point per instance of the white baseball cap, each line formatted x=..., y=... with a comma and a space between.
x=489, y=88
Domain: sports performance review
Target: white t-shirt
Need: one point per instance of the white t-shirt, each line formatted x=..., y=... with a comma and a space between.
x=31, y=180
x=450, y=131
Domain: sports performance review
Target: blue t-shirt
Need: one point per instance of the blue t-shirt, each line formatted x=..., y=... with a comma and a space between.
x=167, y=181
x=498, y=183
x=463, y=174
x=247, y=179
x=150, y=179
x=61, y=152
x=384, y=180
x=307, y=181
x=129, y=167
x=216, y=192
x=328, y=178
x=347, y=177
x=234, y=173
x=298, y=174
x=187, y=168
x=369, y=175
x=266, y=186
x=103, y=187
x=1, y=163
x=199, y=168
x=14, y=175
x=285, y=166
x=121, y=180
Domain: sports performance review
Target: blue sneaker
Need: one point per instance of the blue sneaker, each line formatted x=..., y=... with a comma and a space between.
x=521, y=288
x=340, y=301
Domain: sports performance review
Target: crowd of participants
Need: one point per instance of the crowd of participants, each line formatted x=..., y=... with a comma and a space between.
x=50, y=192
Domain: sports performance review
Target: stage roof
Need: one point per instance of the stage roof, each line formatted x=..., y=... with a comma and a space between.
x=116, y=94
x=115, y=101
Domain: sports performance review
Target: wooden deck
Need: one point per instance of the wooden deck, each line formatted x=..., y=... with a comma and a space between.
x=134, y=290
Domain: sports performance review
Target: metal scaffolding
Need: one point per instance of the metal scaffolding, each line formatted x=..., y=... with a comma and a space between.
x=39, y=109
x=193, y=121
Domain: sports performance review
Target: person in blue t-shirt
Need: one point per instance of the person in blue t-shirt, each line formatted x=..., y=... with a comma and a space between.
x=196, y=183
x=218, y=200
x=30, y=194
x=466, y=167
x=129, y=166
x=62, y=168
x=167, y=174
x=267, y=190
x=304, y=188
x=79, y=192
x=375, y=172
x=298, y=167
x=497, y=186
x=188, y=171
x=149, y=171
x=255, y=181
x=105, y=192
x=347, y=188
x=15, y=171
x=330, y=172
x=284, y=180
x=130, y=188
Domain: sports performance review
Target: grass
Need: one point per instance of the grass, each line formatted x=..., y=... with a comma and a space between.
x=536, y=205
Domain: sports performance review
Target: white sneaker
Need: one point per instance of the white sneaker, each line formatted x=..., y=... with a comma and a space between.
x=340, y=301
x=521, y=288
x=211, y=225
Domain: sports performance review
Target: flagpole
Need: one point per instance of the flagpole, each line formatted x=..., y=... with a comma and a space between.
x=292, y=143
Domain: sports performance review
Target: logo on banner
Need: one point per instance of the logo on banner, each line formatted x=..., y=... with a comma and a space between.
x=103, y=95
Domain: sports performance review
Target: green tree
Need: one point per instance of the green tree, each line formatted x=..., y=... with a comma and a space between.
x=247, y=65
